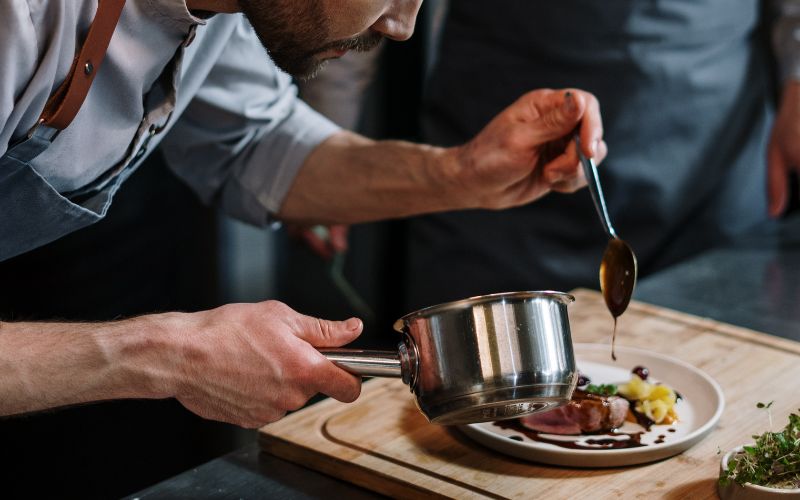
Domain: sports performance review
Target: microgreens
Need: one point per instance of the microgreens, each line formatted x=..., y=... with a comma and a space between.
x=774, y=459
x=602, y=389
x=769, y=412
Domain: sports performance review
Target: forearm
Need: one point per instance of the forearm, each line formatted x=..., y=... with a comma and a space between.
x=47, y=365
x=246, y=364
x=350, y=179
x=522, y=154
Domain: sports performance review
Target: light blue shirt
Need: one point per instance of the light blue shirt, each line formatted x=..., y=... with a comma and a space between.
x=230, y=121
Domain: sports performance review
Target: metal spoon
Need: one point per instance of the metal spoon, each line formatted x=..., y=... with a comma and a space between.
x=618, y=268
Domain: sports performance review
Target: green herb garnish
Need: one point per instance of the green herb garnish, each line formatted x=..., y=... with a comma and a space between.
x=602, y=389
x=773, y=461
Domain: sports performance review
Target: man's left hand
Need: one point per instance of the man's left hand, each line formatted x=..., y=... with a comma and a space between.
x=783, y=153
x=325, y=241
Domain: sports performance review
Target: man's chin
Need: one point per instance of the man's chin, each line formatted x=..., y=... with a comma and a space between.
x=303, y=68
x=313, y=71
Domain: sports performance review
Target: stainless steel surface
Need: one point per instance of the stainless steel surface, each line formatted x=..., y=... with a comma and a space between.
x=485, y=358
x=375, y=363
x=593, y=180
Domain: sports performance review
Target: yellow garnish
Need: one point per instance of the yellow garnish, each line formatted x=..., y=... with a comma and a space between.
x=657, y=401
x=635, y=389
x=663, y=393
x=655, y=410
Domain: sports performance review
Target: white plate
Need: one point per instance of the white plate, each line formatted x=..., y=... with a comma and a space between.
x=698, y=410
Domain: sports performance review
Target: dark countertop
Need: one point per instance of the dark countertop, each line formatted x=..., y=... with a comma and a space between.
x=754, y=283
x=248, y=473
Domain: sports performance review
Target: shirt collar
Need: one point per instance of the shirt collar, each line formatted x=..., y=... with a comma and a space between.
x=174, y=14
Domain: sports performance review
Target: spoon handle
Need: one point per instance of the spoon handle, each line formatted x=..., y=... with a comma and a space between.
x=590, y=171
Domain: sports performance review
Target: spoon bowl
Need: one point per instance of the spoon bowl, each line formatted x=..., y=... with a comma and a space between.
x=617, y=276
x=618, y=268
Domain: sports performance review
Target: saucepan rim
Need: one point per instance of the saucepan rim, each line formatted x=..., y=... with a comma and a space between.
x=469, y=302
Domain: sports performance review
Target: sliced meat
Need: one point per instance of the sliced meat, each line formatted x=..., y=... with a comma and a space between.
x=555, y=421
x=585, y=413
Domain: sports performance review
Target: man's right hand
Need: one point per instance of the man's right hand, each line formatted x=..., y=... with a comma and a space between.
x=528, y=150
x=248, y=364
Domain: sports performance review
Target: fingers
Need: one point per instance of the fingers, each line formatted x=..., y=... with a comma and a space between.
x=318, y=245
x=559, y=114
x=783, y=152
x=324, y=376
x=326, y=333
x=335, y=382
x=338, y=237
x=319, y=374
x=316, y=238
x=323, y=241
x=602, y=151
x=565, y=166
x=565, y=173
x=777, y=181
x=591, y=131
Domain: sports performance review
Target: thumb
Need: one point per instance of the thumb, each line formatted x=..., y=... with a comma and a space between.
x=777, y=180
x=324, y=333
x=559, y=118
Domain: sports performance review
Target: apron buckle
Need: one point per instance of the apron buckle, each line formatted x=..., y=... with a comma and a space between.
x=43, y=132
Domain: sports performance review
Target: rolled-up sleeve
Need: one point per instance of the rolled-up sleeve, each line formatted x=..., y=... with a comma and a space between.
x=786, y=38
x=245, y=134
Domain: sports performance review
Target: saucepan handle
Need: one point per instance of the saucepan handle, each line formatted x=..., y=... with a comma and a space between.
x=365, y=362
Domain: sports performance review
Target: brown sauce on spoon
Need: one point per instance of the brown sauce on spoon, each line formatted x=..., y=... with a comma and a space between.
x=617, y=280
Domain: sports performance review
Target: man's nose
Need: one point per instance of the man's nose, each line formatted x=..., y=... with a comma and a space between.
x=398, y=22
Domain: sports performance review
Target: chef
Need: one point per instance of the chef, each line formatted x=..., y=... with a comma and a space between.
x=89, y=88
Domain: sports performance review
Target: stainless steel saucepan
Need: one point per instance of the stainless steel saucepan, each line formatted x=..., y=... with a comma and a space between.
x=484, y=358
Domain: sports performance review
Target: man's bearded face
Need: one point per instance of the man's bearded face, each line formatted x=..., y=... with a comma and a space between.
x=298, y=34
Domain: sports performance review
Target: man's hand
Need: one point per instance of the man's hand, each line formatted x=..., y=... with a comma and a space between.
x=325, y=241
x=522, y=154
x=248, y=364
x=527, y=150
x=783, y=153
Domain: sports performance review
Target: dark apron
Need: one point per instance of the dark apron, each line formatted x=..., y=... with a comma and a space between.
x=683, y=86
x=32, y=212
x=35, y=213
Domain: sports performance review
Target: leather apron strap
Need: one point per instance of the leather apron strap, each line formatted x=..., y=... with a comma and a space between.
x=64, y=104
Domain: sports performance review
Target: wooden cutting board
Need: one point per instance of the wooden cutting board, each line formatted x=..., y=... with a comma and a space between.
x=383, y=443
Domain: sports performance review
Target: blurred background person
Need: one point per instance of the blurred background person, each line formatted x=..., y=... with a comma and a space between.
x=687, y=91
